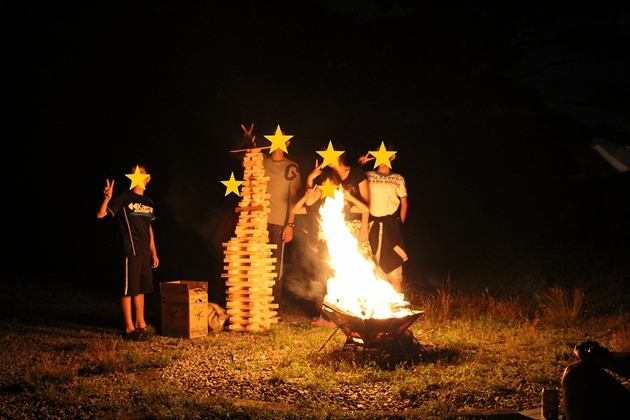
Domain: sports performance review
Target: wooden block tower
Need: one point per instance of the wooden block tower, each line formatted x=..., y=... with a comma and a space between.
x=249, y=267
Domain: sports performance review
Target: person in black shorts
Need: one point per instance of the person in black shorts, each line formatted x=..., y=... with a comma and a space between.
x=134, y=211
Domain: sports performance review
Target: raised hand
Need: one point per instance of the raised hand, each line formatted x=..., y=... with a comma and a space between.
x=109, y=188
x=247, y=134
x=311, y=192
x=365, y=159
x=314, y=174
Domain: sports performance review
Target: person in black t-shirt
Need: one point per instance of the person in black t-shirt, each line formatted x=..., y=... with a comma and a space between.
x=354, y=181
x=135, y=215
x=318, y=259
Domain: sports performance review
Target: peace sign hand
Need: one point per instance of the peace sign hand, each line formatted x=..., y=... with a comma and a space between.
x=311, y=192
x=365, y=159
x=109, y=188
x=316, y=172
x=247, y=134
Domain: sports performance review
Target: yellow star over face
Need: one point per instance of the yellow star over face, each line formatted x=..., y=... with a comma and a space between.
x=382, y=156
x=137, y=178
x=328, y=189
x=278, y=140
x=232, y=185
x=331, y=156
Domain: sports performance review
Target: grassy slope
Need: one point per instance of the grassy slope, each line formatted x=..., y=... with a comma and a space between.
x=479, y=352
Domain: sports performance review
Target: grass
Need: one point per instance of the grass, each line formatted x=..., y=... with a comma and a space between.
x=480, y=349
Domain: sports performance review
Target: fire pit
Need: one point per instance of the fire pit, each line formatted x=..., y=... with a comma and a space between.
x=366, y=307
x=388, y=335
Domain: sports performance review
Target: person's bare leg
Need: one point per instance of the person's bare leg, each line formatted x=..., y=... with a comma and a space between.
x=138, y=303
x=396, y=279
x=125, y=303
x=396, y=285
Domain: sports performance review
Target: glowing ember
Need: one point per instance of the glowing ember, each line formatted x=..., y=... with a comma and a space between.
x=354, y=286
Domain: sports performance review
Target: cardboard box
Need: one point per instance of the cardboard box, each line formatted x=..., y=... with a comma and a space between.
x=184, y=308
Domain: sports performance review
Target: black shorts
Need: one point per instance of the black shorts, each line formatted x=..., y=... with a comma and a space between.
x=138, y=276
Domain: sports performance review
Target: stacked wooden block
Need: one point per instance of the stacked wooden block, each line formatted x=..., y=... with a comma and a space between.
x=249, y=267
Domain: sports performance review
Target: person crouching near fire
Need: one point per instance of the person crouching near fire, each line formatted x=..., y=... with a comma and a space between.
x=309, y=205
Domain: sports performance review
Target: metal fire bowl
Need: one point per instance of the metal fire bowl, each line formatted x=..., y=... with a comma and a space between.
x=371, y=330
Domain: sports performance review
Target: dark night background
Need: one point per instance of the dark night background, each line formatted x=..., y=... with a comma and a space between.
x=492, y=110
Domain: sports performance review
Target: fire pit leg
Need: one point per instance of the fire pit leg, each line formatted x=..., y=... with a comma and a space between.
x=420, y=346
x=331, y=336
x=413, y=340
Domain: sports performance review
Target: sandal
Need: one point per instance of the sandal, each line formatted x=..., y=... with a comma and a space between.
x=149, y=329
x=136, y=335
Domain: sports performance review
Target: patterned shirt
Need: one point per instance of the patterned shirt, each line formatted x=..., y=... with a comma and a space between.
x=386, y=190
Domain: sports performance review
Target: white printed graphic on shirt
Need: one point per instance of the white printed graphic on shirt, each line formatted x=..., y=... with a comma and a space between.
x=140, y=209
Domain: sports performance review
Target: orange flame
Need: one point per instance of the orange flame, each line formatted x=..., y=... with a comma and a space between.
x=354, y=286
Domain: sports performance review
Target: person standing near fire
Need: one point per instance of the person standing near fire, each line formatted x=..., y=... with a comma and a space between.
x=317, y=260
x=388, y=210
x=135, y=215
x=354, y=181
x=283, y=185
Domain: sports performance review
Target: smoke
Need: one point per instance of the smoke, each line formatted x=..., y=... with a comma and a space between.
x=193, y=210
x=213, y=222
x=306, y=273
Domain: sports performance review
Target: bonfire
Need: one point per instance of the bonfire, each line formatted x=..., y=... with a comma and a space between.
x=354, y=286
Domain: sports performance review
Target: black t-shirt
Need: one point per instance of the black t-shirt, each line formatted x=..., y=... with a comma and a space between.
x=351, y=184
x=135, y=214
x=315, y=237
